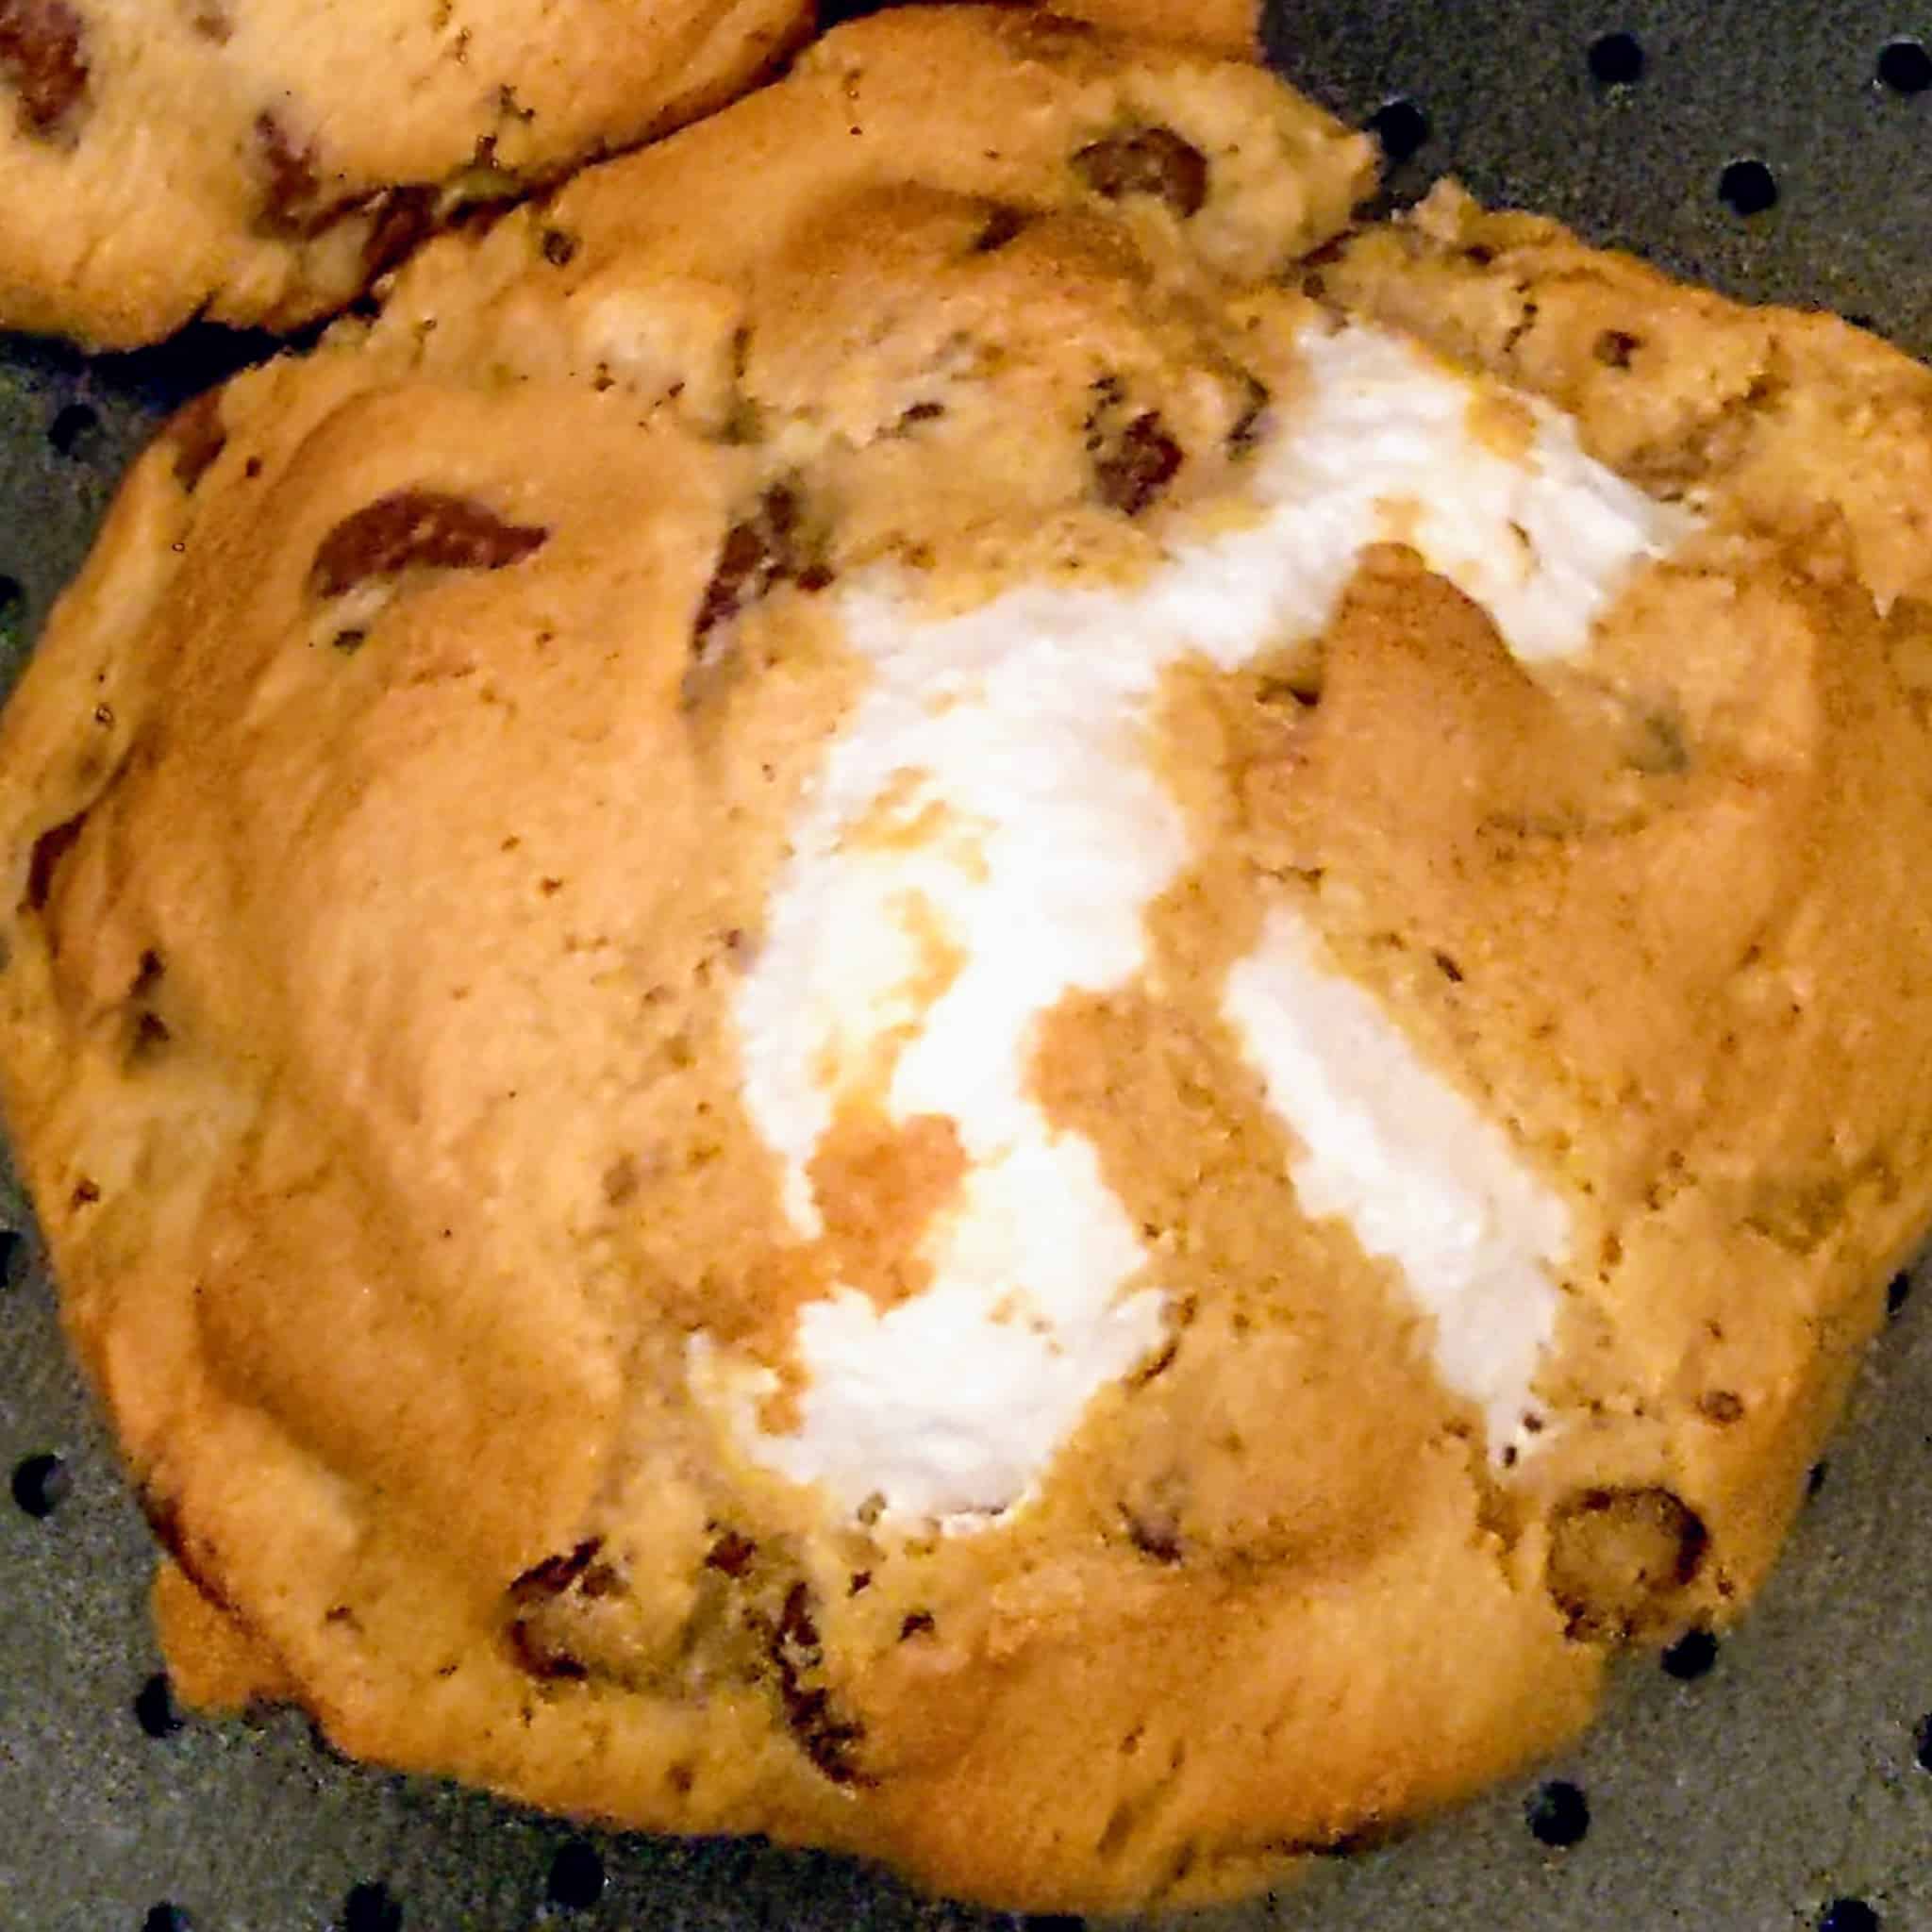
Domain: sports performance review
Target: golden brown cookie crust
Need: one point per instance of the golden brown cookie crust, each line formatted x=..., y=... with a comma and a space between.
x=394, y=801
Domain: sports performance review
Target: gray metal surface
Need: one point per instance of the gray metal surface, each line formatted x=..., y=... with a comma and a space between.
x=1750, y=1797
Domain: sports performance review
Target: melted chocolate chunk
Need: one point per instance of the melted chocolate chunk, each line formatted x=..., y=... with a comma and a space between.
x=402, y=217
x=1147, y=161
x=198, y=437
x=40, y=59
x=763, y=550
x=543, y=1661
x=50, y=848
x=731, y=1554
x=419, y=528
x=1157, y=1535
x=536, y=1651
x=829, y=1739
x=1615, y=348
x=1134, y=468
x=291, y=189
x=1002, y=224
x=150, y=1035
x=553, y=1575
x=1248, y=428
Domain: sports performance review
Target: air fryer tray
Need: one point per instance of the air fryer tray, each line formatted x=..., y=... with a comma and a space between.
x=1785, y=1782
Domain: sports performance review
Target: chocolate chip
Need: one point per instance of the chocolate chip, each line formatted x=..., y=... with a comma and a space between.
x=553, y=1575
x=560, y=247
x=1247, y=428
x=402, y=218
x=1147, y=160
x=1157, y=1536
x=1614, y=348
x=40, y=59
x=42, y=865
x=1618, y=1559
x=541, y=1660
x=1132, y=469
x=418, y=528
x=1722, y=1407
x=291, y=187
x=150, y=1035
x=1002, y=224
x=731, y=1554
x=762, y=550
x=920, y=412
x=916, y=1624
x=829, y=1739
x=198, y=437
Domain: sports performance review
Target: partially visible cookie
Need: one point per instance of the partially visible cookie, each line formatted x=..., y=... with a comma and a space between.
x=1002, y=1011
x=1229, y=26
x=262, y=161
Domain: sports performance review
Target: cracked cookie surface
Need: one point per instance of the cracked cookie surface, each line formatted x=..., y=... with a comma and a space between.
x=1013, y=1011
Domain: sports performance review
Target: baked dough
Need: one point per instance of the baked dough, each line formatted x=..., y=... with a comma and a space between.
x=261, y=161
x=1007, y=1010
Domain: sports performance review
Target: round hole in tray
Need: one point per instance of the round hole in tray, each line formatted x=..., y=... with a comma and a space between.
x=39, y=1485
x=12, y=1243
x=1922, y=1742
x=1747, y=187
x=1559, y=1814
x=1905, y=67
x=576, y=1876
x=154, y=1707
x=1691, y=1656
x=371, y=1908
x=72, y=431
x=1402, y=127
x=166, y=1918
x=1848, y=1915
x=1616, y=60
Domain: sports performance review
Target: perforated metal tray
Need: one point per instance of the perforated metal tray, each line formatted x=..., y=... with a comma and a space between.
x=1781, y=1785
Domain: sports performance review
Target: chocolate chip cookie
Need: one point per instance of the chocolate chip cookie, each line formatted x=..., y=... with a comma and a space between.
x=249, y=162
x=1008, y=1009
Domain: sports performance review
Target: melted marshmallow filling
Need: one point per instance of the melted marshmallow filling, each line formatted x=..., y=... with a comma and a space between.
x=991, y=803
